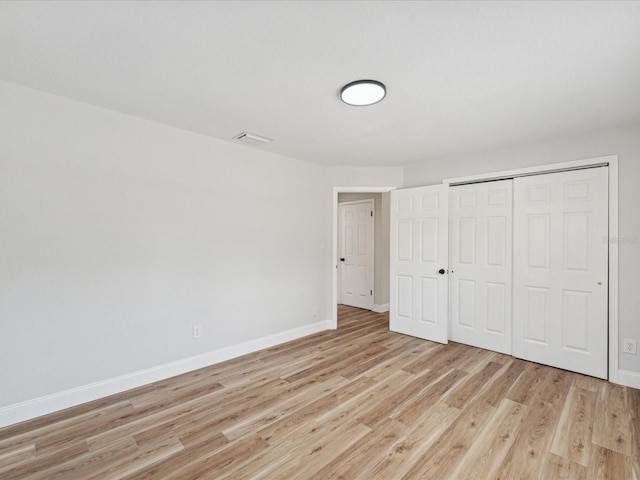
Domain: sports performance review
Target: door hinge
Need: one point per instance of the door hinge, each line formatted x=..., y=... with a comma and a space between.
x=372, y=213
x=370, y=292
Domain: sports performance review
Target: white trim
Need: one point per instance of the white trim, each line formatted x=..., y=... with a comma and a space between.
x=614, y=342
x=29, y=409
x=380, y=308
x=333, y=321
x=628, y=378
x=518, y=172
x=615, y=375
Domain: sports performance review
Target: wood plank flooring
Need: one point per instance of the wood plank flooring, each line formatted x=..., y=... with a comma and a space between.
x=356, y=403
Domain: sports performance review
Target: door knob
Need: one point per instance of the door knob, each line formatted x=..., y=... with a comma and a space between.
x=342, y=259
x=442, y=271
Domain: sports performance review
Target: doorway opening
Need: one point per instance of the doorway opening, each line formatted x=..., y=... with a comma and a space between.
x=380, y=290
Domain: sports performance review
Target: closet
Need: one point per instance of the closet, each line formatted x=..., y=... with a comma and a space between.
x=523, y=266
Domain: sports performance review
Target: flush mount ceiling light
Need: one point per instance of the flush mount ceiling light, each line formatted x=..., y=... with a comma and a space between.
x=363, y=92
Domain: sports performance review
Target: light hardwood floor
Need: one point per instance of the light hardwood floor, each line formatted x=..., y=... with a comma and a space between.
x=356, y=403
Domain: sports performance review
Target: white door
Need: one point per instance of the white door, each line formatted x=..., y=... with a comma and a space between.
x=356, y=254
x=480, y=231
x=560, y=270
x=418, y=263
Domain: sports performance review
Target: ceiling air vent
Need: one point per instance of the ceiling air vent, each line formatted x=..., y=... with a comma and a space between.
x=252, y=139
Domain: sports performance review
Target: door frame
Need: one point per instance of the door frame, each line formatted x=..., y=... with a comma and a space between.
x=612, y=162
x=333, y=321
x=371, y=202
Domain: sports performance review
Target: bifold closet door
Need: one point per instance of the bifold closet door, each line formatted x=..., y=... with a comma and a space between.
x=560, y=270
x=418, y=264
x=480, y=232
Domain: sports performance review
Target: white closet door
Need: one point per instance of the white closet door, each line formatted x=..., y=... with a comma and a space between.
x=560, y=270
x=480, y=287
x=418, y=263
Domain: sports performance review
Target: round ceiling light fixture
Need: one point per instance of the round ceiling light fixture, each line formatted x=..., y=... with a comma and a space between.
x=363, y=92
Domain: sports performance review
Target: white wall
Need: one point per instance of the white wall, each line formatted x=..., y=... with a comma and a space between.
x=381, y=241
x=117, y=235
x=623, y=142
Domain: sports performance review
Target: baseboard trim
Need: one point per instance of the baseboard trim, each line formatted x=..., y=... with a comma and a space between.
x=380, y=308
x=31, y=409
x=628, y=378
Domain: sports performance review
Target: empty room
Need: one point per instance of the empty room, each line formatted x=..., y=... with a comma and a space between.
x=314, y=240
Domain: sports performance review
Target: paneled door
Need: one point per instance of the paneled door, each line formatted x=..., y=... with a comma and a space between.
x=418, y=263
x=560, y=270
x=356, y=254
x=480, y=231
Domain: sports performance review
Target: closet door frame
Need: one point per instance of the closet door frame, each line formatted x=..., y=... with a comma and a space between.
x=611, y=161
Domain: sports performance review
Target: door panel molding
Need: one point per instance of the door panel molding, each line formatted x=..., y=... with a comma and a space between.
x=615, y=374
x=419, y=252
x=480, y=259
x=560, y=295
x=357, y=248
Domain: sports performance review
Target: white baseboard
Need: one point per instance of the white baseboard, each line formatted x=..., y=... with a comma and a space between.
x=30, y=409
x=628, y=378
x=380, y=308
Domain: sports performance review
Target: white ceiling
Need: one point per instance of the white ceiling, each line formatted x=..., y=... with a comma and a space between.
x=461, y=76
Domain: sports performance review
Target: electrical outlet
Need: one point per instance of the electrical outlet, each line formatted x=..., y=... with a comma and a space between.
x=197, y=331
x=629, y=346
